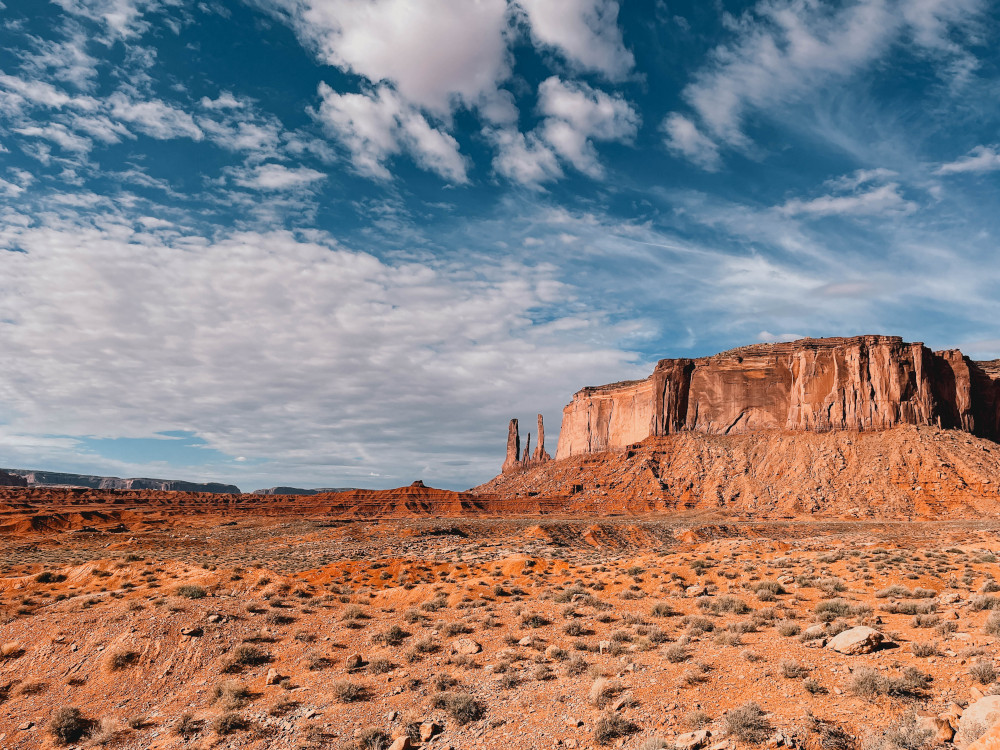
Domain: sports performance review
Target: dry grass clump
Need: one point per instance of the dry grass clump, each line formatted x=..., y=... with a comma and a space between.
x=747, y=723
x=231, y=722
x=120, y=659
x=244, y=655
x=231, y=693
x=603, y=691
x=462, y=707
x=869, y=683
x=983, y=672
x=612, y=726
x=68, y=725
x=190, y=591
x=347, y=691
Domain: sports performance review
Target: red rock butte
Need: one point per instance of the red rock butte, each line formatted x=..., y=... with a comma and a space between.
x=857, y=384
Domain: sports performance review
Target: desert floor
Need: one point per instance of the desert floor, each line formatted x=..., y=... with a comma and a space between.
x=284, y=632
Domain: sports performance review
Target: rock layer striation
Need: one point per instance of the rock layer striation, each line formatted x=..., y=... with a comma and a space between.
x=859, y=384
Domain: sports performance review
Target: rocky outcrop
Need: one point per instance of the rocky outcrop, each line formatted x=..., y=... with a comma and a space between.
x=63, y=479
x=518, y=461
x=857, y=384
x=12, y=480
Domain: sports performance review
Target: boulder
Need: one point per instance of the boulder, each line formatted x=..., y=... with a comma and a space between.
x=354, y=662
x=983, y=714
x=859, y=640
x=273, y=677
x=466, y=646
x=401, y=743
x=939, y=725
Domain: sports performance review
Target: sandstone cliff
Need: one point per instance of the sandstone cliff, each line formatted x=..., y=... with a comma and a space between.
x=858, y=384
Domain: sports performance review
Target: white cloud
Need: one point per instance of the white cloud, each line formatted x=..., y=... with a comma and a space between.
x=155, y=118
x=586, y=32
x=123, y=18
x=358, y=365
x=59, y=134
x=433, y=51
x=378, y=125
x=883, y=200
x=576, y=114
x=980, y=159
x=524, y=159
x=787, y=49
x=683, y=137
x=277, y=177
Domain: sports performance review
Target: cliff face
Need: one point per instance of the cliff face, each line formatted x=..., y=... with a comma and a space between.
x=861, y=383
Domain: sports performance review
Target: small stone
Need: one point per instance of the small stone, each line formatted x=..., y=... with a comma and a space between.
x=273, y=678
x=401, y=743
x=693, y=740
x=603, y=647
x=428, y=729
x=24, y=727
x=354, y=661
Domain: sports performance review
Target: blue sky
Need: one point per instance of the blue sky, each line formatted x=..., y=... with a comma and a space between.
x=341, y=242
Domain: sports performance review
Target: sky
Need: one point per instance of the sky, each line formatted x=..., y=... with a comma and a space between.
x=342, y=242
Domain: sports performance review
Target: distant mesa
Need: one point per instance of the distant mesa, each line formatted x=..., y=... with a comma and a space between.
x=12, y=480
x=301, y=491
x=36, y=478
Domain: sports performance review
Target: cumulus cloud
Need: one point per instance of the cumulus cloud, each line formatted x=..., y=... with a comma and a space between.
x=585, y=32
x=122, y=18
x=277, y=177
x=683, y=137
x=155, y=118
x=980, y=159
x=786, y=49
x=434, y=51
x=576, y=114
x=379, y=124
x=524, y=159
x=329, y=362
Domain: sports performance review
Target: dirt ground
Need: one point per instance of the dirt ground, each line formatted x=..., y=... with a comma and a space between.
x=513, y=633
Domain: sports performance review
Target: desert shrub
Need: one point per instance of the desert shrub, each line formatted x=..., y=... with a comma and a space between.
x=191, y=591
x=697, y=719
x=231, y=693
x=792, y=669
x=747, y=724
x=612, y=726
x=456, y=628
x=662, y=609
x=896, y=590
x=427, y=645
x=347, y=691
x=903, y=734
x=983, y=672
x=462, y=707
x=924, y=649
x=812, y=686
x=533, y=621
x=372, y=739
x=231, y=722
x=68, y=725
x=392, y=636
x=47, y=576
x=603, y=690
x=697, y=624
x=868, y=683
x=655, y=743
x=729, y=603
x=121, y=659
x=788, y=628
x=676, y=653
x=244, y=655
x=925, y=621
x=980, y=603
x=575, y=665
x=186, y=725
x=992, y=626
x=380, y=666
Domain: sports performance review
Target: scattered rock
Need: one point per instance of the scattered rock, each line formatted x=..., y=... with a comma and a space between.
x=428, y=729
x=466, y=646
x=983, y=713
x=354, y=661
x=859, y=640
x=693, y=740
